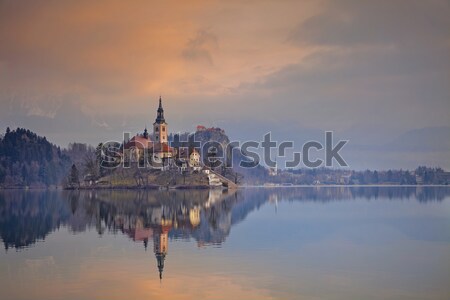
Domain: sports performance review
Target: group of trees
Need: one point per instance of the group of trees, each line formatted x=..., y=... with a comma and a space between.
x=377, y=177
x=432, y=175
x=421, y=175
x=27, y=159
x=87, y=162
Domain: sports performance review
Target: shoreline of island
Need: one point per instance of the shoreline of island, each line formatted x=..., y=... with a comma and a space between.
x=206, y=187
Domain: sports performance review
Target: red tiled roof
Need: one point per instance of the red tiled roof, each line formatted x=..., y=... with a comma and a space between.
x=162, y=147
x=139, y=234
x=139, y=142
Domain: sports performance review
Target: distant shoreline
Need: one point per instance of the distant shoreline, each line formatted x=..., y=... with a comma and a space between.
x=346, y=185
x=204, y=187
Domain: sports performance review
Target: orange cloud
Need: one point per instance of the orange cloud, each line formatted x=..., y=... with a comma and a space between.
x=109, y=53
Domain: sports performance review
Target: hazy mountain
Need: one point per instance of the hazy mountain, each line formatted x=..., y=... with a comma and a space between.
x=423, y=139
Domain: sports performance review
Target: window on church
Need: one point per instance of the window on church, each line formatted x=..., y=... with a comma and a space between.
x=156, y=129
x=163, y=129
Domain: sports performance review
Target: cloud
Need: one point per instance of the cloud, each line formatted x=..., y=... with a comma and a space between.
x=199, y=48
x=104, y=52
x=85, y=70
x=381, y=65
x=352, y=23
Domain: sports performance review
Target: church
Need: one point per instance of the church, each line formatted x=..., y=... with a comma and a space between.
x=155, y=150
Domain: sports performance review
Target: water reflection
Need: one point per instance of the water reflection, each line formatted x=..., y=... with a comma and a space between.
x=158, y=217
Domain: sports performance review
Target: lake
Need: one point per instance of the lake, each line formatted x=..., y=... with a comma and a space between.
x=255, y=243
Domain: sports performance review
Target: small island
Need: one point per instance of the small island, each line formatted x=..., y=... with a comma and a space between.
x=147, y=161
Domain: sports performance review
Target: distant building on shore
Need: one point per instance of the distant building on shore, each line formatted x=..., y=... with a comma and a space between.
x=201, y=128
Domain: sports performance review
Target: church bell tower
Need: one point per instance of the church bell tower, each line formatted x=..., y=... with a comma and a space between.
x=160, y=125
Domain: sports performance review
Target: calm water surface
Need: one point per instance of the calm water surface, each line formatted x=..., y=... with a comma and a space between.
x=285, y=243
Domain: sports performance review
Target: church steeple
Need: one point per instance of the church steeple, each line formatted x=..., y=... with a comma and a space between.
x=160, y=116
x=160, y=257
x=160, y=125
x=160, y=247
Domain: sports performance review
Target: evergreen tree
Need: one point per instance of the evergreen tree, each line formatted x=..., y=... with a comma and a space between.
x=74, y=180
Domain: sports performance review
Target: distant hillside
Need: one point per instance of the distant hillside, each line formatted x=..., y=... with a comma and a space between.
x=212, y=134
x=255, y=175
x=27, y=159
x=424, y=139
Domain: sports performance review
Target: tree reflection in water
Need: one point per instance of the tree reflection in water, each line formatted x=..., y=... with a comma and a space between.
x=159, y=216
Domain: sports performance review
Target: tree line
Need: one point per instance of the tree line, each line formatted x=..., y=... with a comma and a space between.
x=27, y=159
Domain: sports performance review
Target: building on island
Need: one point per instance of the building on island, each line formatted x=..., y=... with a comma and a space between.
x=136, y=147
x=156, y=152
x=189, y=160
x=194, y=160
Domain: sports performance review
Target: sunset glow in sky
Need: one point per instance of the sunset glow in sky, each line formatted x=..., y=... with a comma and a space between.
x=372, y=71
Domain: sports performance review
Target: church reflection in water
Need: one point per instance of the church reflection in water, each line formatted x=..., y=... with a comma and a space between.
x=159, y=230
x=145, y=216
x=158, y=217
x=155, y=216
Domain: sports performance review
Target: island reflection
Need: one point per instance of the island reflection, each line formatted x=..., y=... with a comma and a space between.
x=159, y=216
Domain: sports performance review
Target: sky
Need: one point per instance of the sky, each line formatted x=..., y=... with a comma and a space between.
x=377, y=73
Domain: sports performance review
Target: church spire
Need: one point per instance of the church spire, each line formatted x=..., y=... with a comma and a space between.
x=160, y=116
x=160, y=257
x=160, y=125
